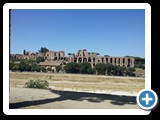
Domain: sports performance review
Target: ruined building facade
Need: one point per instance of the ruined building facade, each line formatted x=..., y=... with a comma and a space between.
x=80, y=57
x=93, y=59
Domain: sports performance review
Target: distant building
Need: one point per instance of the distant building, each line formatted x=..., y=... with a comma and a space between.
x=93, y=59
x=55, y=58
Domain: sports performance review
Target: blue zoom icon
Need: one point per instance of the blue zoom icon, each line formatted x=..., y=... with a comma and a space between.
x=147, y=99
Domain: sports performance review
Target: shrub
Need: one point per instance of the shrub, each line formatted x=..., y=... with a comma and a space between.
x=58, y=68
x=41, y=84
x=39, y=59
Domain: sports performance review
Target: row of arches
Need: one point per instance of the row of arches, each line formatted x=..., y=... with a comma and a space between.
x=116, y=61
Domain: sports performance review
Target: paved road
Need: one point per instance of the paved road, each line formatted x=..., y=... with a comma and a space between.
x=26, y=98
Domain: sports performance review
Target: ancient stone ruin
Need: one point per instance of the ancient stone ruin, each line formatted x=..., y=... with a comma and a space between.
x=82, y=56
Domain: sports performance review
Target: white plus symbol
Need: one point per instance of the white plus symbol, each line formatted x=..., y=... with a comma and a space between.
x=147, y=99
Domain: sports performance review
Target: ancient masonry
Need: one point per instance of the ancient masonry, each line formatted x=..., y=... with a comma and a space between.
x=58, y=58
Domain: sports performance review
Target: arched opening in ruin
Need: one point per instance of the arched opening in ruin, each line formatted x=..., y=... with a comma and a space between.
x=55, y=58
x=75, y=60
x=89, y=59
x=123, y=60
x=84, y=59
x=118, y=60
x=110, y=60
x=94, y=65
x=129, y=63
x=61, y=58
x=94, y=60
x=102, y=60
x=80, y=60
x=106, y=60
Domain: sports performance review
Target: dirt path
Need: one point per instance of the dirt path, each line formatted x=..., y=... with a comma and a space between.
x=27, y=98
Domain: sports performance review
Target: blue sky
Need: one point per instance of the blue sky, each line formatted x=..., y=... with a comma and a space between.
x=108, y=32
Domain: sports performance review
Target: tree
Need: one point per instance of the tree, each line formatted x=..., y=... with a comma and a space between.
x=106, y=55
x=69, y=54
x=22, y=65
x=39, y=59
x=34, y=67
x=11, y=64
x=131, y=69
x=101, y=68
x=119, y=70
x=24, y=52
x=71, y=67
x=15, y=67
x=49, y=69
x=130, y=73
x=27, y=67
x=43, y=50
x=43, y=69
x=58, y=68
x=97, y=54
x=91, y=71
x=85, y=68
x=109, y=69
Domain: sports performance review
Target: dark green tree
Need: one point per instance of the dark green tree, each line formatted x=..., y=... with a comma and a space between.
x=39, y=59
x=85, y=68
x=119, y=70
x=24, y=52
x=69, y=54
x=106, y=55
x=71, y=67
x=27, y=67
x=130, y=73
x=43, y=69
x=97, y=54
x=49, y=69
x=35, y=67
x=15, y=67
x=43, y=50
x=109, y=68
x=58, y=68
x=22, y=65
x=11, y=64
x=101, y=68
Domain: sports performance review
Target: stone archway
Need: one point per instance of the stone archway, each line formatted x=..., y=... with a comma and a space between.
x=89, y=59
x=79, y=59
x=129, y=63
x=84, y=59
x=75, y=60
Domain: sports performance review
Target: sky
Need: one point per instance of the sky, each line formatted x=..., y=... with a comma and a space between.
x=113, y=32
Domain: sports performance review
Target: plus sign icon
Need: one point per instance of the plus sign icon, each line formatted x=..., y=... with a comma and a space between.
x=147, y=99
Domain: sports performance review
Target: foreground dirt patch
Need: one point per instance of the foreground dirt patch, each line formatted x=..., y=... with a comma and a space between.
x=74, y=91
x=27, y=98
